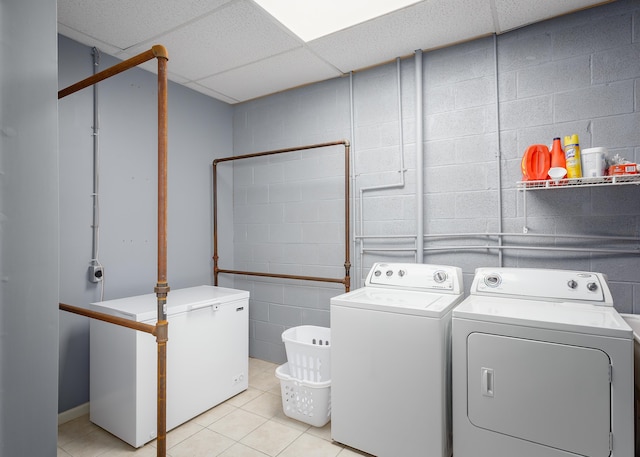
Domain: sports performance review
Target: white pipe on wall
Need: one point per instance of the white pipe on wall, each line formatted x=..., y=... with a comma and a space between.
x=401, y=169
x=356, y=276
x=419, y=162
x=498, y=147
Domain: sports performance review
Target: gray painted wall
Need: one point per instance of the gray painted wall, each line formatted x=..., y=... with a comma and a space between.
x=199, y=131
x=28, y=229
x=575, y=74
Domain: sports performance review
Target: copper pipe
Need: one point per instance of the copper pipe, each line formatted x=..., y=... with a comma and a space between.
x=280, y=151
x=346, y=281
x=121, y=321
x=155, y=51
x=347, y=261
x=162, y=288
x=215, y=223
x=283, y=276
x=161, y=339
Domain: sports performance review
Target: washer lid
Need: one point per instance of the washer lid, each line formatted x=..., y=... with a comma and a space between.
x=398, y=301
x=565, y=316
x=143, y=308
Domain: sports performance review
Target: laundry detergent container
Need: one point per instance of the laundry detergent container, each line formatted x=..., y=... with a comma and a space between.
x=634, y=322
x=305, y=380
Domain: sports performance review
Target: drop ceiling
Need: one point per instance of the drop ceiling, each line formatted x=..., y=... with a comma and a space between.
x=234, y=50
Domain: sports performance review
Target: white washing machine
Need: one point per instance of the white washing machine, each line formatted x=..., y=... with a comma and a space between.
x=542, y=367
x=391, y=361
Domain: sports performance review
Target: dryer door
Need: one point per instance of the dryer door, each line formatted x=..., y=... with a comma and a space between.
x=552, y=394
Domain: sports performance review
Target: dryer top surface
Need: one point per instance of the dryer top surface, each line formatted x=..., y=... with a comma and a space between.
x=564, y=316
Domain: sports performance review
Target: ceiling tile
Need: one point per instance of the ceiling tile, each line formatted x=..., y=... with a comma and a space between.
x=233, y=36
x=125, y=23
x=211, y=93
x=87, y=40
x=426, y=25
x=291, y=69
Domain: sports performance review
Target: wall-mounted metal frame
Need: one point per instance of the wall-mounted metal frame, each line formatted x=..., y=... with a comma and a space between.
x=161, y=329
x=346, y=281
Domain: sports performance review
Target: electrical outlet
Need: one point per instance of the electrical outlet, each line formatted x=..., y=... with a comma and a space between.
x=96, y=273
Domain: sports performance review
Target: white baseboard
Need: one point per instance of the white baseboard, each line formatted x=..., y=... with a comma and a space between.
x=73, y=413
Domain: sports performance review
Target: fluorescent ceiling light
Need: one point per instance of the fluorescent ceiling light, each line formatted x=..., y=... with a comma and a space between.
x=311, y=19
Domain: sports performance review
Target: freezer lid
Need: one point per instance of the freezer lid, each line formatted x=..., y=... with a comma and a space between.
x=142, y=308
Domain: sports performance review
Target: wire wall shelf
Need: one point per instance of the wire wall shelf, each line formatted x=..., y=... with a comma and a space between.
x=579, y=182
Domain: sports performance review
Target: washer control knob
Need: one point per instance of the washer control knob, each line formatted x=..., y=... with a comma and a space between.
x=493, y=280
x=440, y=276
x=377, y=273
x=389, y=272
x=572, y=284
x=592, y=286
x=401, y=273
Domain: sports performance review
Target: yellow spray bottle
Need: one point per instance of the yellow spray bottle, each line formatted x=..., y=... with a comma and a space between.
x=572, y=156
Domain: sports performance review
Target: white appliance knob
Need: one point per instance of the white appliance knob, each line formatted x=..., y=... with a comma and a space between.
x=440, y=276
x=389, y=272
x=493, y=280
x=572, y=284
x=592, y=286
x=401, y=273
x=377, y=273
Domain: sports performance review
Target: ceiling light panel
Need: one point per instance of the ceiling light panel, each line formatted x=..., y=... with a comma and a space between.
x=311, y=19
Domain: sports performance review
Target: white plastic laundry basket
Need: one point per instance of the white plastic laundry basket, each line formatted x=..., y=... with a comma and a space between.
x=308, y=352
x=306, y=401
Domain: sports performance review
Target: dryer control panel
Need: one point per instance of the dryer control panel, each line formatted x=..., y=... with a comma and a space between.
x=543, y=284
x=416, y=276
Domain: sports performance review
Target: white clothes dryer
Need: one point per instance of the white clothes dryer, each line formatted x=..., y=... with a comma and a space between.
x=542, y=367
x=391, y=361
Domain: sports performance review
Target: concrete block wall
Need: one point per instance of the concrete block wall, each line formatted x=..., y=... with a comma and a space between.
x=484, y=102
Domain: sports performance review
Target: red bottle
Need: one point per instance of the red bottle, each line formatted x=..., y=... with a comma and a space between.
x=557, y=155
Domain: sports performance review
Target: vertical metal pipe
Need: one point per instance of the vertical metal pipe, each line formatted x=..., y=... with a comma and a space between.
x=96, y=148
x=347, y=176
x=162, y=287
x=499, y=148
x=215, y=223
x=419, y=162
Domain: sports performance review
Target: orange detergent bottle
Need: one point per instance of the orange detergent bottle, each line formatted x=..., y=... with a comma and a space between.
x=557, y=154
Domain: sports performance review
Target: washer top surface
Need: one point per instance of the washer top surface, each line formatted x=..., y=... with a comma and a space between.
x=417, y=289
x=553, y=299
x=143, y=308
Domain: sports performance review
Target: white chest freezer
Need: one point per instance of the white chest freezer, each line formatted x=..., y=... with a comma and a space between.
x=207, y=359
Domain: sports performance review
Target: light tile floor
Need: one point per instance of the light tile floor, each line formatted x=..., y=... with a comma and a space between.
x=251, y=424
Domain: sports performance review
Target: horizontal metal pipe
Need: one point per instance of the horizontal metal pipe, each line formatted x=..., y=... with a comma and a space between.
x=280, y=151
x=155, y=51
x=525, y=235
x=108, y=318
x=523, y=248
x=283, y=276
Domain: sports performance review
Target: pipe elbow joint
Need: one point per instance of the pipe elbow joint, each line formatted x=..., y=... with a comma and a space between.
x=160, y=51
